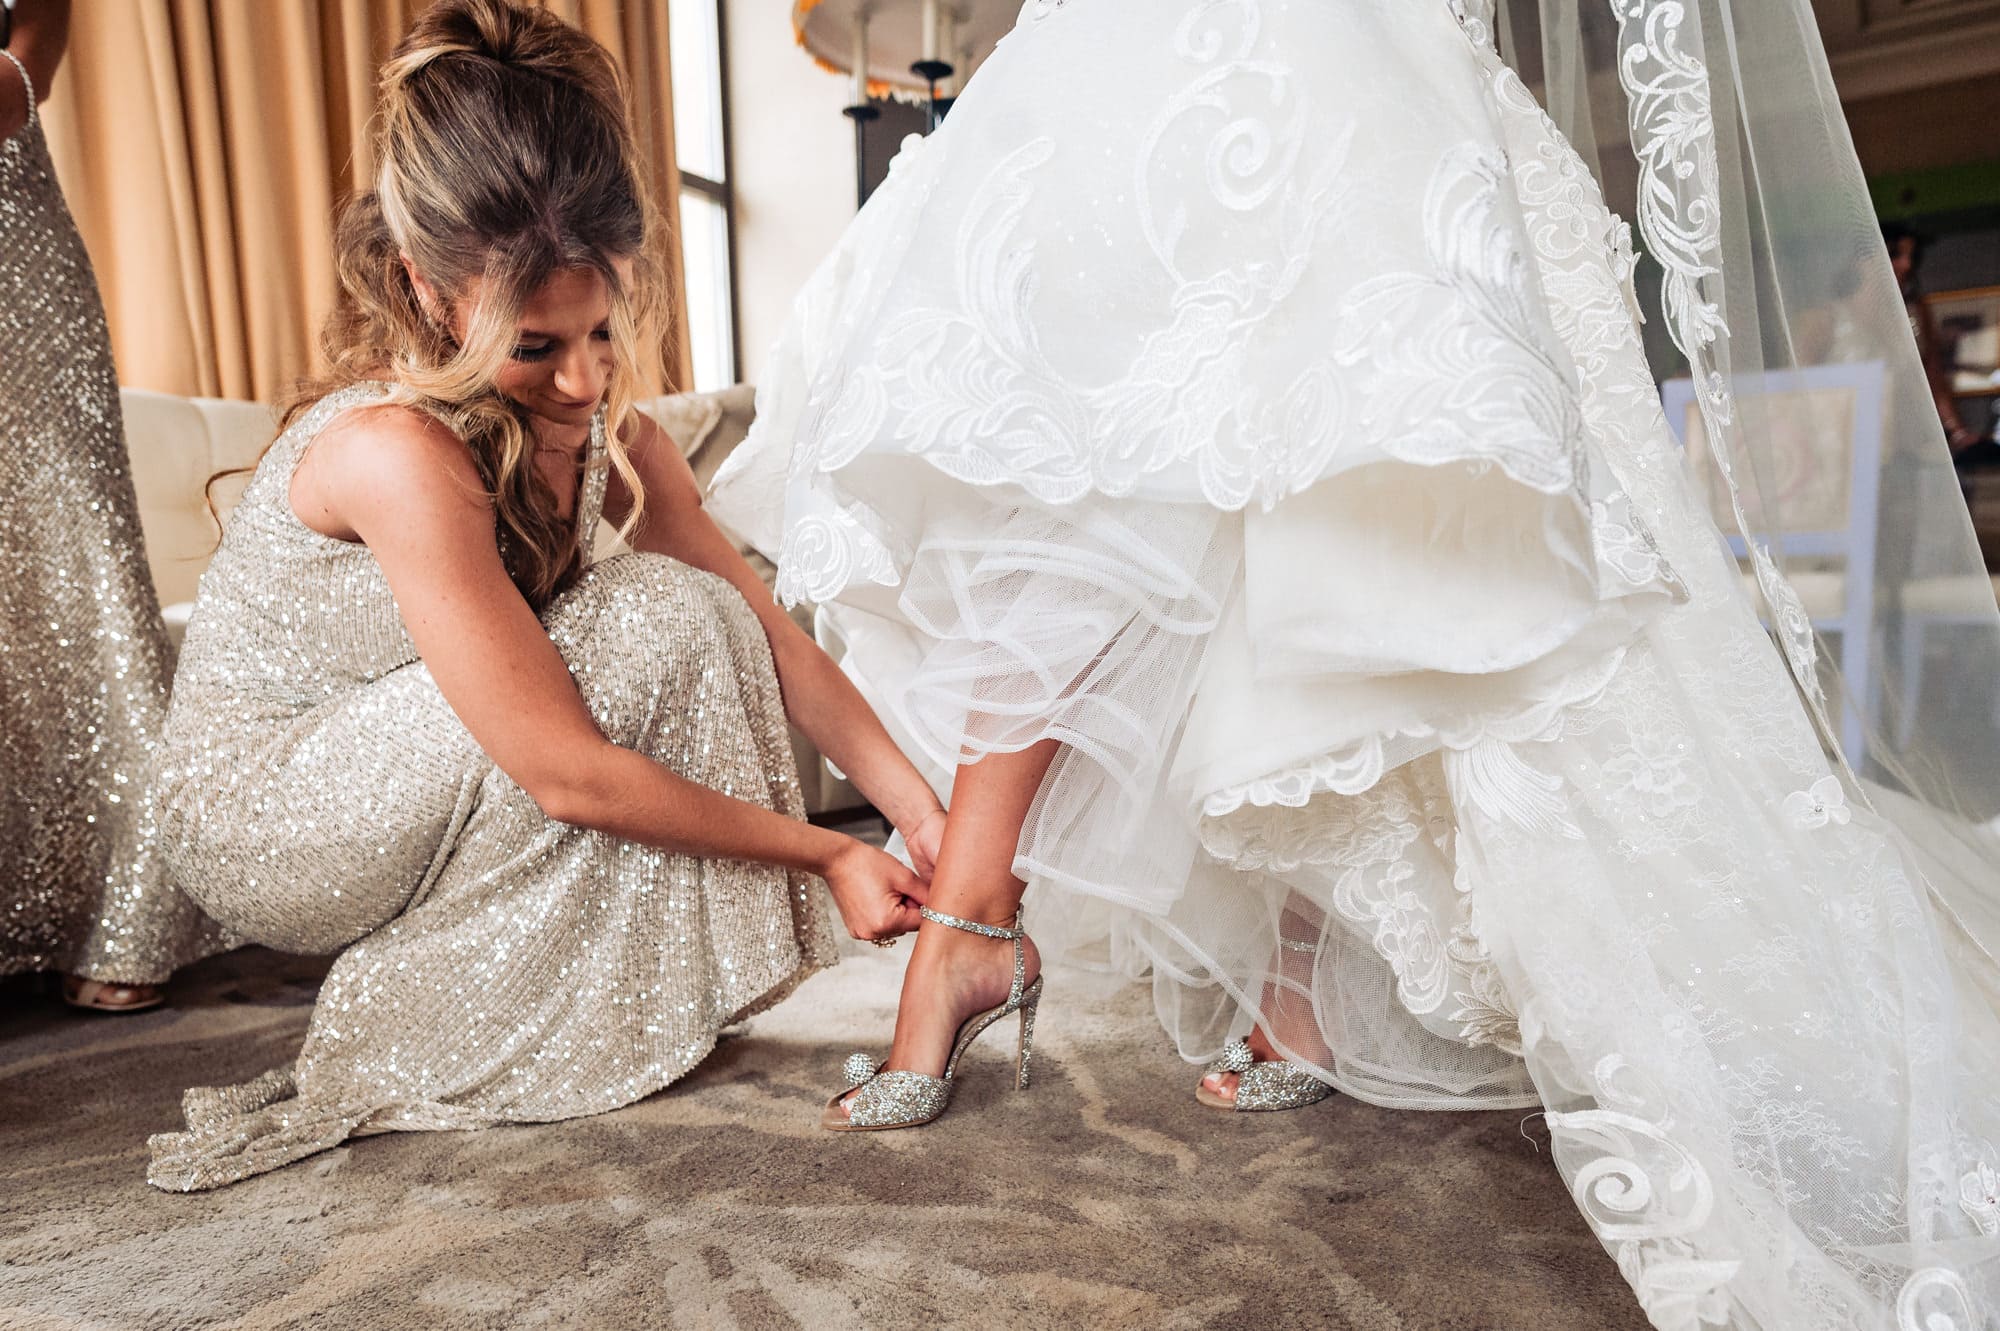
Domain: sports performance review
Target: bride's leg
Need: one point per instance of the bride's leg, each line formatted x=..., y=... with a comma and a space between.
x=953, y=974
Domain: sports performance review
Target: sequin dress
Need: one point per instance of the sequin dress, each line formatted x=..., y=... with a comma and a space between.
x=319, y=794
x=84, y=659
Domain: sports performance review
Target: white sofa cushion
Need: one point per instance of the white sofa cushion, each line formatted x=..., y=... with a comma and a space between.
x=176, y=444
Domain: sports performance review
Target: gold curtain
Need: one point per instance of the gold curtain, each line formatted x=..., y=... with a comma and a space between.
x=205, y=146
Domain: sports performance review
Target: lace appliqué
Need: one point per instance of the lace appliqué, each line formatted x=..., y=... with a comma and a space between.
x=1979, y=1196
x=825, y=553
x=1476, y=17
x=1626, y=548
x=1823, y=803
x=973, y=392
x=1463, y=361
x=1646, y=1195
x=1486, y=1013
x=1463, y=354
x=1935, y=1299
x=1681, y=216
x=1356, y=767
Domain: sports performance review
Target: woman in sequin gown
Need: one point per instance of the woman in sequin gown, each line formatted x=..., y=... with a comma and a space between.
x=84, y=658
x=544, y=808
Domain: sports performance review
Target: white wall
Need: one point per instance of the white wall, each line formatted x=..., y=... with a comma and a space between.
x=792, y=155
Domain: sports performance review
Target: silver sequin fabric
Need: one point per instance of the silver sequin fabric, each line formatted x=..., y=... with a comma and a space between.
x=495, y=966
x=84, y=658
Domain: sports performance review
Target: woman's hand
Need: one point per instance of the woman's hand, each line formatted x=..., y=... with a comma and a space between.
x=925, y=841
x=877, y=896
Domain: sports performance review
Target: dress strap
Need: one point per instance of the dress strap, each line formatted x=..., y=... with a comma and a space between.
x=596, y=473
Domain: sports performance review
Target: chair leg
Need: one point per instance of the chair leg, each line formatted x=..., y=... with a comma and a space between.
x=1911, y=685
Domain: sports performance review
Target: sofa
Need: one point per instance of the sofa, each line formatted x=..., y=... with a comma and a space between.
x=177, y=443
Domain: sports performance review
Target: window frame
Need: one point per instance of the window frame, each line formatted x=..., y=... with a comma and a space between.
x=720, y=192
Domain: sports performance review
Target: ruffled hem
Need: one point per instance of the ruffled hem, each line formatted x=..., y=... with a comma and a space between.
x=1359, y=767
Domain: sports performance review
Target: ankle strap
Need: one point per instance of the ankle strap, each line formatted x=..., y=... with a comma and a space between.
x=1013, y=935
x=972, y=926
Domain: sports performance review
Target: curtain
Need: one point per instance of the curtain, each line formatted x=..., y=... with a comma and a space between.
x=205, y=146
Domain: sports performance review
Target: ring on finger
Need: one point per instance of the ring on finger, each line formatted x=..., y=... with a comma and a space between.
x=883, y=942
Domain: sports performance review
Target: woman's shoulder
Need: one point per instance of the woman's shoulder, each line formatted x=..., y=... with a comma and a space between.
x=377, y=430
x=385, y=457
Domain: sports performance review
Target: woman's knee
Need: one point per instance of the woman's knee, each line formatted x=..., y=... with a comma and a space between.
x=627, y=592
x=638, y=632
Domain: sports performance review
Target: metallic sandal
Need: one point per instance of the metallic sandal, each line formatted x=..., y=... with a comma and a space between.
x=1261, y=1084
x=899, y=1099
x=110, y=996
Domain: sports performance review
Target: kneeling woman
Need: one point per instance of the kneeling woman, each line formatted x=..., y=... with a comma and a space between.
x=546, y=807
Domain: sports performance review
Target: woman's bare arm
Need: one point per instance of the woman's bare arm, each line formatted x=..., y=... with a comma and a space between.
x=819, y=698
x=401, y=483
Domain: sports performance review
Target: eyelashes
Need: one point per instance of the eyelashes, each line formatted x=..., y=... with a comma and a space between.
x=527, y=355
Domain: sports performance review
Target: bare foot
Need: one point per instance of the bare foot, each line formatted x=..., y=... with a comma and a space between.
x=952, y=975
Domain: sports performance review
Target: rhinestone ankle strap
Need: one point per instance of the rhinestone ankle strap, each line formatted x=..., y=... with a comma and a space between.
x=971, y=926
x=1013, y=935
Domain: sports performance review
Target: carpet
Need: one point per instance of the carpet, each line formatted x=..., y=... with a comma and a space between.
x=1103, y=1196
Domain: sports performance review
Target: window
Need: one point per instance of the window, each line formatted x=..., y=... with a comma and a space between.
x=701, y=147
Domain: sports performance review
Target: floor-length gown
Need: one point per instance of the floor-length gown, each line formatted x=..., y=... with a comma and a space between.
x=320, y=795
x=1262, y=413
x=84, y=658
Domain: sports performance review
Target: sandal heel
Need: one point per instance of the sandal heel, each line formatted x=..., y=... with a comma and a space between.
x=1030, y=1001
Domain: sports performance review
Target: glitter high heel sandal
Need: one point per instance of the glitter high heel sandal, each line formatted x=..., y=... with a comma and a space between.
x=899, y=1099
x=1263, y=1084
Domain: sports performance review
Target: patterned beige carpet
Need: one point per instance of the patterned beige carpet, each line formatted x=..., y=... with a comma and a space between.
x=1102, y=1197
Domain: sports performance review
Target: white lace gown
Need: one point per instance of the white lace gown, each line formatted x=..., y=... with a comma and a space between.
x=1249, y=396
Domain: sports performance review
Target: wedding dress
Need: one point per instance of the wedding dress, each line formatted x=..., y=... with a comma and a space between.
x=1263, y=414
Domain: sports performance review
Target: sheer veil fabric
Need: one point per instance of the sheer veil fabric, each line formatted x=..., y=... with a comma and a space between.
x=1285, y=443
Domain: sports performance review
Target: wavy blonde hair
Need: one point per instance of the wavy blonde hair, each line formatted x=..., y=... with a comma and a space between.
x=506, y=156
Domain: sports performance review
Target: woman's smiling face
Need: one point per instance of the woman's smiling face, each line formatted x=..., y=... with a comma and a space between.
x=562, y=360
